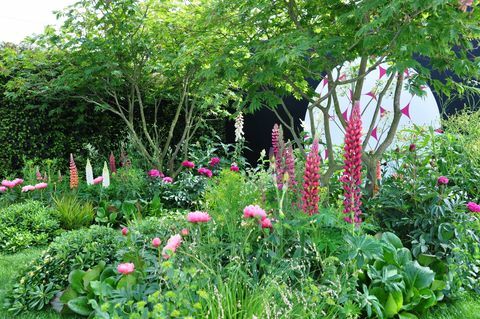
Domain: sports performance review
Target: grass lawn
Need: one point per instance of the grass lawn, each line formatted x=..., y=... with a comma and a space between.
x=467, y=307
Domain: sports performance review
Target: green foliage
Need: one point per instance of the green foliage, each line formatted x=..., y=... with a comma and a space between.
x=393, y=283
x=82, y=249
x=72, y=213
x=25, y=225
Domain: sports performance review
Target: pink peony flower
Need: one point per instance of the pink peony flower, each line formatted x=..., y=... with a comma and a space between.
x=18, y=181
x=473, y=207
x=205, y=171
x=442, y=180
x=252, y=211
x=97, y=180
x=156, y=242
x=184, y=232
x=3, y=189
x=155, y=173
x=188, y=164
x=28, y=188
x=172, y=245
x=234, y=167
x=266, y=223
x=167, y=180
x=126, y=268
x=9, y=184
x=214, y=161
x=198, y=217
x=124, y=231
x=41, y=185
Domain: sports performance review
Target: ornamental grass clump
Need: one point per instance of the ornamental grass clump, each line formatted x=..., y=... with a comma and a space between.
x=352, y=174
x=311, y=181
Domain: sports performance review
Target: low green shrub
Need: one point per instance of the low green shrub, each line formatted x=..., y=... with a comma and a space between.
x=37, y=285
x=26, y=224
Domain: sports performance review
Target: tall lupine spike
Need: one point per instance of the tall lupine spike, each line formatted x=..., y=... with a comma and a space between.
x=105, y=175
x=290, y=165
x=352, y=174
x=113, y=166
x=278, y=153
x=311, y=181
x=73, y=173
x=89, y=172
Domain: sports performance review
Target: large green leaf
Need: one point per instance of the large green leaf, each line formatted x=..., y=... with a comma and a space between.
x=392, y=239
x=80, y=305
x=75, y=278
x=407, y=315
x=418, y=276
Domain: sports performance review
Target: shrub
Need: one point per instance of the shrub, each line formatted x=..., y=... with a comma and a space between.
x=72, y=213
x=26, y=224
x=82, y=249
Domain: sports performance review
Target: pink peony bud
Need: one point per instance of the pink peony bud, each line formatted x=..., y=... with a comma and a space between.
x=184, y=232
x=97, y=180
x=156, y=242
x=167, y=180
x=234, y=167
x=442, y=180
x=124, y=231
x=126, y=268
x=214, y=161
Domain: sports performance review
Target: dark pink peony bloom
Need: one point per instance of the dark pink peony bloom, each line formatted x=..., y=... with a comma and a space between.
x=473, y=207
x=41, y=186
x=442, y=180
x=234, y=167
x=155, y=173
x=188, y=164
x=167, y=180
x=266, y=223
x=205, y=172
x=214, y=161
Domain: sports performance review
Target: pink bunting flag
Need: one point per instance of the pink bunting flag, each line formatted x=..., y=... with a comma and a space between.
x=406, y=111
x=382, y=72
x=374, y=133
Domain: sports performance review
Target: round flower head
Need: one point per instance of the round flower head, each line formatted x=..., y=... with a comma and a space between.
x=205, y=172
x=252, y=211
x=473, y=207
x=198, y=217
x=234, y=167
x=167, y=180
x=172, y=245
x=184, y=232
x=9, y=184
x=124, y=231
x=28, y=188
x=18, y=181
x=3, y=189
x=214, y=161
x=412, y=147
x=126, y=268
x=41, y=185
x=97, y=180
x=156, y=242
x=188, y=164
x=442, y=180
x=266, y=223
x=155, y=173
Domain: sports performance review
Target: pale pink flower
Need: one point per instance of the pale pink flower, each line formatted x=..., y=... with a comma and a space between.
x=188, y=164
x=172, y=245
x=124, y=231
x=3, y=189
x=18, y=181
x=167, y=180
x=97, y=180
x=126, y=268
x=41, y=185
x=442, y=180
x=214, y=161
x=156, y=242
x=198, y=217
x=473, y=207
x=28, y=188
x=252, y=211
x=9, y=184
x=266, y=223
x=184, y=232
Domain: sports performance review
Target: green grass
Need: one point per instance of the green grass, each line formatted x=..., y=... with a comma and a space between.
x=9, y=264
x=465, y=307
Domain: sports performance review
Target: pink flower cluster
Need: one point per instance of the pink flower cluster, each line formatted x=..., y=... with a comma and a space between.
x=473, y=207
x=205, y=172
x=188, y=164
x=255, y=211
x=352, y=174
x=156, y=242
x=284, y=159
x=11, y=184
x=155, y=173
x=214, y=161
x=167, y=180
x=29, y=188
x=198, y=217
x=442, y=180
x=311, y=181
x=234, y=167
x=172, y=245
x=126, y=268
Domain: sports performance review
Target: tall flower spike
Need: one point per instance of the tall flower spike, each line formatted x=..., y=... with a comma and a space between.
x=311, y=181
x=290, y=166
x=89, y=173
x=73, y=173
x=105, y=175
x=113, y=166
x=352, y=174
x=239, y=127
x=278, y=152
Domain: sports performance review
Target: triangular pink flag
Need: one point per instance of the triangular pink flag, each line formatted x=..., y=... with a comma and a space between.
x=382, y=71
x=374, y=133
x=406, y=111
x=345, y=115
x=382, y=111
x=372, y=95
x=324, y=82
x=351, y=94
